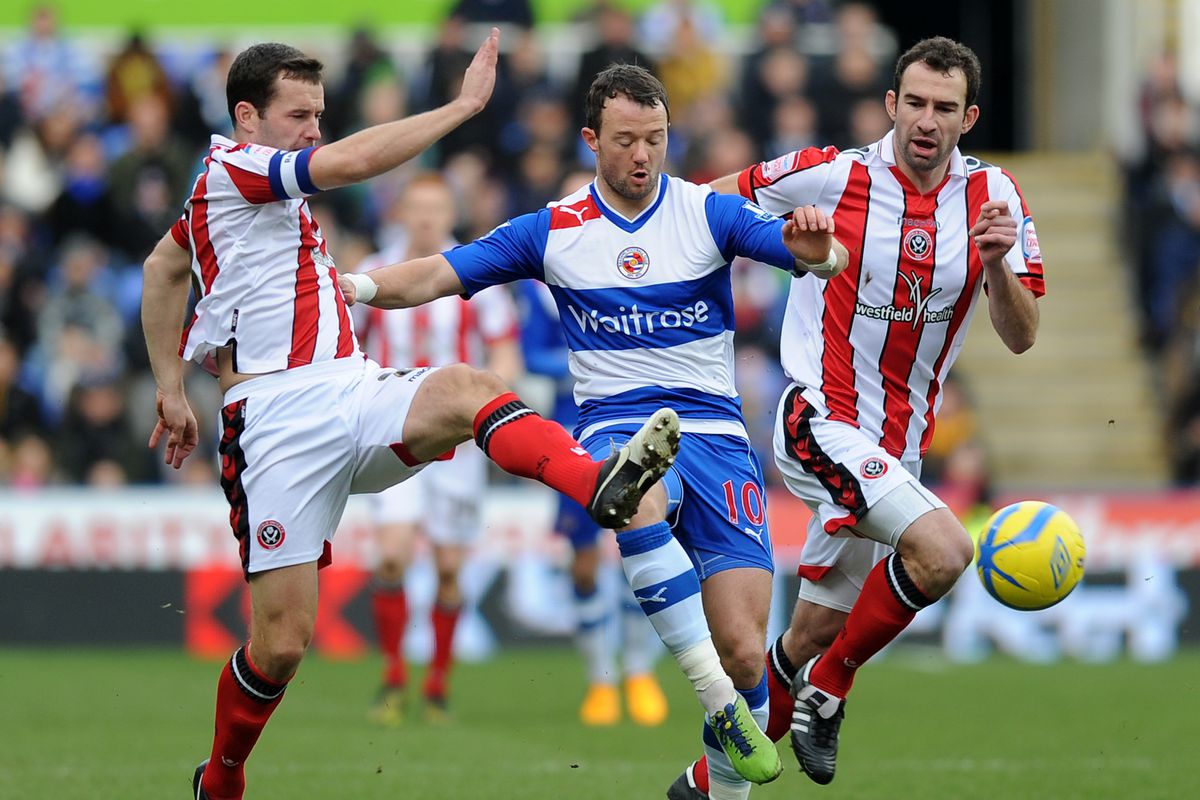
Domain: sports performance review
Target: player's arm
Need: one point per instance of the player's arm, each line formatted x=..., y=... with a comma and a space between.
x=380, y=148
x=1012, y=306
x=802, y=244
x=403, y=285
x=513, y=250
x=165, y=285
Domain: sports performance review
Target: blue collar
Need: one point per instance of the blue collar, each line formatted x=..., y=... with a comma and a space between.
x=634, y=225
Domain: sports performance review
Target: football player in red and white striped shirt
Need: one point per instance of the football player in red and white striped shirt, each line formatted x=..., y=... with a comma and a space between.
x=444, y=502
x=926, y=229
x=307, y=420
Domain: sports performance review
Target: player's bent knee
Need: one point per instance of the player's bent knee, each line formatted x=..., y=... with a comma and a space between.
x=743, y=664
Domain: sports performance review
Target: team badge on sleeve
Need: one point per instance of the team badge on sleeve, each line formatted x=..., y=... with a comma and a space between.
x=633, y=262
x=1029, y=242
x=873, y=468
x=758, y=211
x=270, y=534
x=776, y=169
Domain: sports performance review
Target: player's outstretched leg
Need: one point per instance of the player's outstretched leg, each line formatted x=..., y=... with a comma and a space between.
x=630, y=471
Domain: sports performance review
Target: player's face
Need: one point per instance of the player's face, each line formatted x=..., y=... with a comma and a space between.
x=930, y=114
x=292, y=120
x=630, y=148
x=428, y=213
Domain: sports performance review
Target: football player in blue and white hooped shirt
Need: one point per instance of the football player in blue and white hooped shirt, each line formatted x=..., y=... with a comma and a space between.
x=638, y=264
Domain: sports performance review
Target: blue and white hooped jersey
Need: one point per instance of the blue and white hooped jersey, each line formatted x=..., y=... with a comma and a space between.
x=646, y=304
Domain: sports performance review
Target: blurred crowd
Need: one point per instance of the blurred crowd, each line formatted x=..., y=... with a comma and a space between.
x=99, y=149
x=1162, y=211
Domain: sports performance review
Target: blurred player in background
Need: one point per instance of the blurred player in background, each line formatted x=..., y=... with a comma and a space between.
x=444, y=502
x=307, y=419
x=927, y=229
x=638, y=263
x=545, y=351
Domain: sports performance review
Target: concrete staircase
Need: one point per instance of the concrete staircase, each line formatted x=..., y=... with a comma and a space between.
x=1079, y=409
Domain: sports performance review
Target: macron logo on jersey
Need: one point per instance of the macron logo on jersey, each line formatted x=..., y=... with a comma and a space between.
x=633, y=322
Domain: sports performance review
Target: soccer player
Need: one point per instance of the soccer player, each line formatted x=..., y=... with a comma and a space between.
x=544, y=347
x=638, y=263
x=927, y=229
x=444, y=501
x=307, y=419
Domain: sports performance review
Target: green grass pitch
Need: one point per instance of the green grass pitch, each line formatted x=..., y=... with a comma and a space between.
x=132, y=724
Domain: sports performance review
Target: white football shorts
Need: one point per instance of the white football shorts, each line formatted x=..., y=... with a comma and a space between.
x=296, y=444
x=861, y=496
x=445, y=498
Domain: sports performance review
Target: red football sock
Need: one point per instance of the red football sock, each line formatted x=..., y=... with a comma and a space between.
x=888, y=602
x=700, y=774
x=445, y=620
x=779, y=705
x=390, y=607
x=523, y=443
x=245, y=700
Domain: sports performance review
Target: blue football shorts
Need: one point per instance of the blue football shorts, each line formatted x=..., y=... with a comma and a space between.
x=716, y=502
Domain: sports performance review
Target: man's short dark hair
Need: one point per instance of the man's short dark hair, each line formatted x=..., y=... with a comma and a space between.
x=943, y=55
x=252, y=74
x=636, y=83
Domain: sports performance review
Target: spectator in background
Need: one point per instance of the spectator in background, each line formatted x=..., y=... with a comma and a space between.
x=202, y=106
x=793, y=125
x=31, y=464
x=804, y=12
x=47, y=71
x=614, y=28
x=858, y=72
x=367, y=64
x=691, y=70
x=32, y=175
x=84, y=205
x=94, y=445
x=781, y=73
x=135, y=72
x=151, y=179
x=79, y=331
x=20, y=412
x=664, y=22
x=776, y=29
x=21, y=278
x=440, y=83
x=514, y=12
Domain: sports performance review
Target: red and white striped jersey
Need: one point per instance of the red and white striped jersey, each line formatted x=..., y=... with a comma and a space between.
x=448, y=330
x=873, y=346
x=261, y=269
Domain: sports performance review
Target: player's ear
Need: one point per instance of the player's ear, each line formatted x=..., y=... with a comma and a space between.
x=591, y=138
x=889, y=102
x=246, y=116
x=970, y=117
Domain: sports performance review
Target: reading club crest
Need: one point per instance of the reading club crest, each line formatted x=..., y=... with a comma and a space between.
x=270, y=534
x=633, y=262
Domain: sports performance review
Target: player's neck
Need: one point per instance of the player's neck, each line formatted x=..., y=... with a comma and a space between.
x=621, y=204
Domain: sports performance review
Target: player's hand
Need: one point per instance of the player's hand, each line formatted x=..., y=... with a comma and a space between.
x=480, y=77
x=995, y=232
x=349, y=292
x=175, y=418
x=808, y=235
